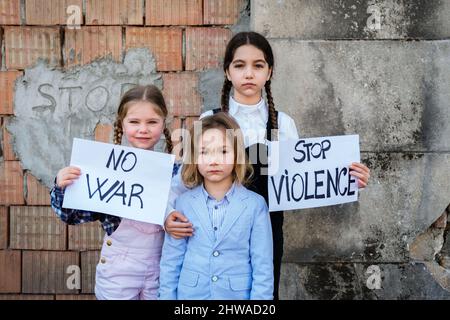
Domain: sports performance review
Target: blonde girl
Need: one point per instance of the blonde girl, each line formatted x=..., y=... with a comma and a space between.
x=129, y=264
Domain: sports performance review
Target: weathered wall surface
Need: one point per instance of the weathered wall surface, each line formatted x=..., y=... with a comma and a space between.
x=56, y=106
x=64, y=65
x=393, y=89
x=377, y=68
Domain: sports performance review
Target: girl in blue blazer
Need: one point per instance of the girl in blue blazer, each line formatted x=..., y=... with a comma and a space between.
x=229, y=256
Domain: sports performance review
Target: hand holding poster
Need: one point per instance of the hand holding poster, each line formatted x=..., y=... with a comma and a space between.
x=126, y=182
x=313, y=172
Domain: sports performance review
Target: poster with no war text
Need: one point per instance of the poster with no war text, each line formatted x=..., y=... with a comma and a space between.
x=118, y=180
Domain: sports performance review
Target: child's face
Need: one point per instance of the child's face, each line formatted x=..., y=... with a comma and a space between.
x=248, y=73
x=216, y=156
x=142, y=126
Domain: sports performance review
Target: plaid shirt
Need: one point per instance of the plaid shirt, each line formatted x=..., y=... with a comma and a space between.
x=73, y=216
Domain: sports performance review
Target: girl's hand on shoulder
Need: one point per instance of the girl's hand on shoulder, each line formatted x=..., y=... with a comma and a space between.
x=67, y=176
x=178, y=226
x=361, y=172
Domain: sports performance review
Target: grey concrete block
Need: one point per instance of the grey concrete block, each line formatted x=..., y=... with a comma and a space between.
x=406, y=194
x=351, y=19
x=243, y=23
x=394, y=94
x=336, y=281
x=210, y=88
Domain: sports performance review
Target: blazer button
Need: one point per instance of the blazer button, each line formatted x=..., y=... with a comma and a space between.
x=216, y=253
x=109, y=243
x=214, y=278
x=103, y=260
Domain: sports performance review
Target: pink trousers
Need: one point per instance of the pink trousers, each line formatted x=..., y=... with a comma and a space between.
x=129, y=262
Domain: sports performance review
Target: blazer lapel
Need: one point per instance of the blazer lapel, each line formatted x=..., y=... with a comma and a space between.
x=201, y=211
x=234, y=210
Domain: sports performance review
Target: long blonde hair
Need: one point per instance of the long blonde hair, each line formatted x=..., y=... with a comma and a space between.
x=242, y=170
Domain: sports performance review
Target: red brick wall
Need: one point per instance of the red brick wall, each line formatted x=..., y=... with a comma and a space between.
x=185, y=37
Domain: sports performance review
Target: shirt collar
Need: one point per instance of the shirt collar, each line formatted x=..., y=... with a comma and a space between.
x=227, y=197
x=236, y=108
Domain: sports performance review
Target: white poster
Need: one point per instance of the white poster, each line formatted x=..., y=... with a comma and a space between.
x=127, y=182
x=314, y=172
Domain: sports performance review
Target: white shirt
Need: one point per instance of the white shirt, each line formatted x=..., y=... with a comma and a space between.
x=217, y=209
x=253, y=122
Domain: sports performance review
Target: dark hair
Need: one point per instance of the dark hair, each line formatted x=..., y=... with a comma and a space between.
x=259, y=41
x=149, y=93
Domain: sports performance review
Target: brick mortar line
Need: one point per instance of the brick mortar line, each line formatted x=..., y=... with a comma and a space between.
x=3, y=49
x=8, y=231
x=21, y=271
x=124, y=45
x=203, y=12
x=23, y=14
x=67, y=236
x=183, y=49
x=25, y=187
x=144, y=7
x=80, y=290
x=83, y=11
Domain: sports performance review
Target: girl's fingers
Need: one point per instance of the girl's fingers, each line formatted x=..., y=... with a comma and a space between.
x=66, y=179
x=70, y=176
x=360, y=171
x=68, y=173
x=69, y=170
x=360, y=176
x=65, y=183
x=359, y=167
x=180, y=230
x=176, y=215
x=363, y=178
x=362, y=182
x=72, y=168
x=72, y=173
x=180, y=235
x=178, y=224
x=184, y=234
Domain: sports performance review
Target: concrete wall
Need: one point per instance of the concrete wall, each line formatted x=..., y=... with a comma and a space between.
x=380, y=69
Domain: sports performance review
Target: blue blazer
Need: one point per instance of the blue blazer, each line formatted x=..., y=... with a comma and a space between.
x=238, y=265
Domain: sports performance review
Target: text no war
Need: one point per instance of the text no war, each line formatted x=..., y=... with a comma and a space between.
x=118, y=180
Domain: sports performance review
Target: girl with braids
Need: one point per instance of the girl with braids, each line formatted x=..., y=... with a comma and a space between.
x=248, y=67
x=131, y=252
